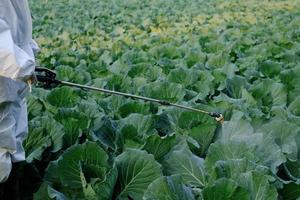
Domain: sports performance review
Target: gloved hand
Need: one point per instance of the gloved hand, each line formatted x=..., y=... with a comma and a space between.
x=32, y=80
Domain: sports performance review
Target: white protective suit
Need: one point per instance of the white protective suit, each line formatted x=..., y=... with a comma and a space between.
x=16, y=66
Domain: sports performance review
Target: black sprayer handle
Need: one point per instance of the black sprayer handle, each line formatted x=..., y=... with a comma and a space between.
x=46, y=77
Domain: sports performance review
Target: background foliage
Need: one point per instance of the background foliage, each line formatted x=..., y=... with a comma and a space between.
x=240, y=58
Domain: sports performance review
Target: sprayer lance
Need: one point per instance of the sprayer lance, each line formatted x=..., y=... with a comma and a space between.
x=48, y=80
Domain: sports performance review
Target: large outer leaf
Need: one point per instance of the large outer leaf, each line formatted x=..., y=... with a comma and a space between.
x=294, y=107
x=62, y=97
x=34, y=106
x=249, y=176
x=265, y=154
x=270, y=68
x=74, y=123
x=183, y=162
x=226, y=151
x=108, y=134
x=285, y=134
x=258, y=186
x=95, y=189
x=89, y=108
x=239, y=134
x=187, y=120
x=291, y=79
x=159, y=146
x=238, y=130
x=234, y=86
x=291, y=191
x=165, y=91
x=83, y=172
x=137, y=126
x=105, y=189
x=183, y=76
x=168, y=188
x=232, y=168
x=48, y=193
x=45, y=133
x=137, y=169
x=199, y=127
x=76, y=75
x=225, y=189
x=204, y=135
x=81, y=163
x=270, y=93
x=134, y=107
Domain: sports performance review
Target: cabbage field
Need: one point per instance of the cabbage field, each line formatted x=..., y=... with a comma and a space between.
x=239, y=58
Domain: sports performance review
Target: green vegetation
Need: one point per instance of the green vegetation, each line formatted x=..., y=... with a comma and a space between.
x=241, y=58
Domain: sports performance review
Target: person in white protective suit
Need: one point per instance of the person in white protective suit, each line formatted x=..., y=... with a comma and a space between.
x=17, y=65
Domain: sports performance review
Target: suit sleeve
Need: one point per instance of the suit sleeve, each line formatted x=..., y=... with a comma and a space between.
x=16, y=62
